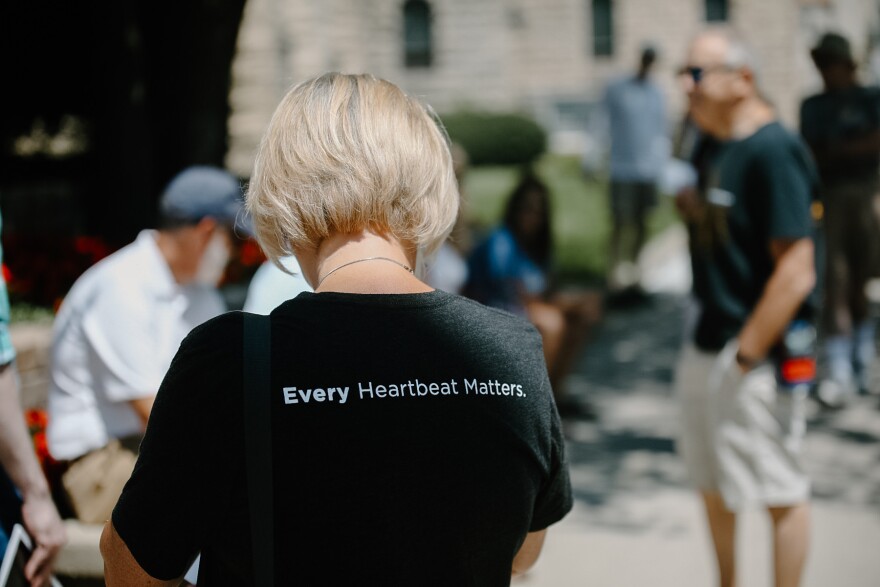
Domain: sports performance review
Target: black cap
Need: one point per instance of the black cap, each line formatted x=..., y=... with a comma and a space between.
x=832, y=48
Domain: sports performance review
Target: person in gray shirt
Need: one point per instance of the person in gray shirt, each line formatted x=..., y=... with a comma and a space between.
x=639, y=144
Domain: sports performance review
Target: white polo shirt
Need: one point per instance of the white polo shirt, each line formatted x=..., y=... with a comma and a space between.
x=113, y=340
x=271, y=287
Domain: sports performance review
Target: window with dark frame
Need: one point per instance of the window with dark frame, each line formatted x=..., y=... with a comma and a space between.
x=417, y=33
x=603, y=28
x=716, y=10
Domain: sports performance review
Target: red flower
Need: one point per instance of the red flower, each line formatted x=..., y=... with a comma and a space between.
x=251, y=254
x=41, y=447
x=36, y=421
x=91, y=246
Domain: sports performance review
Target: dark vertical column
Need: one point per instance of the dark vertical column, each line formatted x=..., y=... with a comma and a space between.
x=122, y=201
x=190, y=46
x=147, y=83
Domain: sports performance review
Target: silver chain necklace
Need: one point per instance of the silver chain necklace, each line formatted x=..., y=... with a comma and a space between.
x=335, y=269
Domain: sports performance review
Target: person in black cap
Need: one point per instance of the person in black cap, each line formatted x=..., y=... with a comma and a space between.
x=842, y=127
x=122, y=321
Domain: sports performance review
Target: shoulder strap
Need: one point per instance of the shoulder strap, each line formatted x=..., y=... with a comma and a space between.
x=258, y=443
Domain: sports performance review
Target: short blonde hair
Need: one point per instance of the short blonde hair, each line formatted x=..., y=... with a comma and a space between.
x=344, y=153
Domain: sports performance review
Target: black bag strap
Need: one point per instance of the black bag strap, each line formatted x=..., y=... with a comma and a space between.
x=258, y=444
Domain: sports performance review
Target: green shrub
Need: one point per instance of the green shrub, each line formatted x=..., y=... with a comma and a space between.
x=496, y=139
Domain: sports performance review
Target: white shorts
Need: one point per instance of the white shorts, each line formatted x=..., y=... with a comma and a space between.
x=738, y=436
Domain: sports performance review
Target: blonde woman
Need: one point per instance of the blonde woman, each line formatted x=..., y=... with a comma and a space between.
x=413, y=433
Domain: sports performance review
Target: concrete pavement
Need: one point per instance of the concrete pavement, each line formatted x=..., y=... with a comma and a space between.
x=635, y=521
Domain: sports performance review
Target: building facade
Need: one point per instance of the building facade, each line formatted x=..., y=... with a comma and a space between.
x=547, y=58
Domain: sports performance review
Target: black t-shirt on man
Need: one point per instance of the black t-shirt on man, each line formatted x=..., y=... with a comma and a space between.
x=757, y=190
x=415, y=442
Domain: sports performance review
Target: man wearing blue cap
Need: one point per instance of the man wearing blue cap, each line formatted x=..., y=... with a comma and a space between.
x=119, y=327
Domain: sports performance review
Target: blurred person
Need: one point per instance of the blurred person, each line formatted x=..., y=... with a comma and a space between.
x=272, y=285
x=25, y=496
x=120, y=325
x=411, y=429
x=511, y=270
x=752, y=253
x=842, y=127
x=448, y=269
x=639, y=146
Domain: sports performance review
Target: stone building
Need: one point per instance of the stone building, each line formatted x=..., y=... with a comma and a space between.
x=547, y=58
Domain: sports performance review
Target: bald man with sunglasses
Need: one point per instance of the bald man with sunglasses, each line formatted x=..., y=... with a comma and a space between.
x=752, y=251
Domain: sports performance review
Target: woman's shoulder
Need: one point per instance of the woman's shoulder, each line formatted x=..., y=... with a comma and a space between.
x=208, y=360
x=215, y=341
x=475, y=317
x=222, y=326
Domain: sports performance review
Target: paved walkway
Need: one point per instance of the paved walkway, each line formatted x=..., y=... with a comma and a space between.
x=636, y=524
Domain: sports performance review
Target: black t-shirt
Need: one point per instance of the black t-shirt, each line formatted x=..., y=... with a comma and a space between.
x=415, y=442
x=830, y=118
x=757, y=189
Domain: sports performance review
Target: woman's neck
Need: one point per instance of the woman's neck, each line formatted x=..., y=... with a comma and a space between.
x=363, y=262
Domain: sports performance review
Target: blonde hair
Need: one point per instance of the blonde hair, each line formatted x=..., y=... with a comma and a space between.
x=344, y=153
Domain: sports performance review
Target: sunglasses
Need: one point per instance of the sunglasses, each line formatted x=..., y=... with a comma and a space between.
x=698, y=73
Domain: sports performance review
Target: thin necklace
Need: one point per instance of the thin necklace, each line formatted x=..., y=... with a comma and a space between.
x=334, y=270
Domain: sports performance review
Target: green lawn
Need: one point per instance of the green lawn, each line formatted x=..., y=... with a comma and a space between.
x=24, y=312
x=581, y=220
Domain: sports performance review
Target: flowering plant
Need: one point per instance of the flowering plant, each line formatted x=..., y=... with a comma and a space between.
x=36, y=421
x=40, y=269
x=245, y=259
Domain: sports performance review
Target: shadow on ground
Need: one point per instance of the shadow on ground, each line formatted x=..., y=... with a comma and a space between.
x=628, y=453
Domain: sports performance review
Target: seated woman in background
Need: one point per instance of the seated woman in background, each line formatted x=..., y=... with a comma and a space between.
x=510, y=270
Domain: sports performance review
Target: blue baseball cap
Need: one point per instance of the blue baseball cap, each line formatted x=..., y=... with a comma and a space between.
x=204, y=192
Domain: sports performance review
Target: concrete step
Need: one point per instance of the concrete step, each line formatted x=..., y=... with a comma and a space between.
x=81, y=557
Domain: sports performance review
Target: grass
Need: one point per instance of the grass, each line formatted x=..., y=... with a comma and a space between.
x=24, y=312
x=581, y=216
